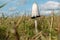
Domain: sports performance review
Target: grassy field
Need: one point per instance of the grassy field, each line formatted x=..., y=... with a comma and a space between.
x=22, y=28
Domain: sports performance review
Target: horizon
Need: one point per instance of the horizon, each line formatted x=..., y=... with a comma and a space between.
x=22, y=6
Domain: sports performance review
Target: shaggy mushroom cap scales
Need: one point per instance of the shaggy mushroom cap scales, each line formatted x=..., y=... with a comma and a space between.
x=35, y=10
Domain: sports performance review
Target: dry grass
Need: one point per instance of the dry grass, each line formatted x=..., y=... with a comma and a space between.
x=26, y=30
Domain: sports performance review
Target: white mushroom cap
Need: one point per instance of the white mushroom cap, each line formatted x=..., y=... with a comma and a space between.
x=35, y=11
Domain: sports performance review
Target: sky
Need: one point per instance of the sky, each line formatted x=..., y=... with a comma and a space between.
x=20, y=6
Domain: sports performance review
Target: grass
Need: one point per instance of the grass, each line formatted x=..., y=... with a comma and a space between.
x=26, y=30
